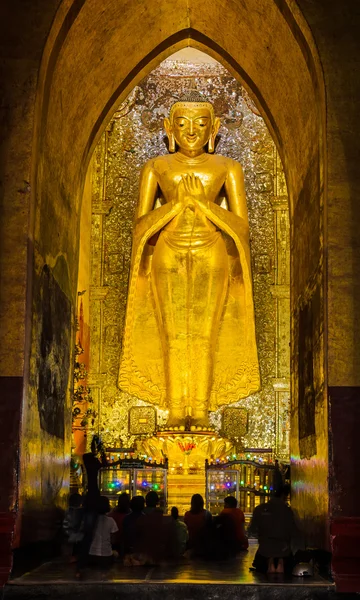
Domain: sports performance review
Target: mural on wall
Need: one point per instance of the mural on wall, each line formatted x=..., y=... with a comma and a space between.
x=134, y=135
x=308, y=386
x=54, y=355
x=46, y=418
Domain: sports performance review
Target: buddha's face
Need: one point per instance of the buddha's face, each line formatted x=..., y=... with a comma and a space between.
x=191, y=127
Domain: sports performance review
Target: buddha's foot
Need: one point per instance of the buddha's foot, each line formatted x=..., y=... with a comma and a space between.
x=175, y=421
x=200, y=422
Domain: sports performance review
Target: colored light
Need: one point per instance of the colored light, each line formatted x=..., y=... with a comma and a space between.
x=144, y=483
x=228, y=484
x=265, y=487
x=155, y=486
x=212, y=487
x=241, y=483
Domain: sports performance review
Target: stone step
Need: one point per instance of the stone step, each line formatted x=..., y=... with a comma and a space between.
x=143, y=589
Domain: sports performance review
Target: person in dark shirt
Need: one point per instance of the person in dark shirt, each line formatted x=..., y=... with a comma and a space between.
x=278, y=480
x=273, y=523
x=180, y=535
x=93, y=464
x=133, y=532
x=154, y=530
x=118, y=514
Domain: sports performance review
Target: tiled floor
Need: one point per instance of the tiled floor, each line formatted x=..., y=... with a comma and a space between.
x=235, y=571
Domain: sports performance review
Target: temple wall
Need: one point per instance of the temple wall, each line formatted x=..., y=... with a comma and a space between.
x=336, y=33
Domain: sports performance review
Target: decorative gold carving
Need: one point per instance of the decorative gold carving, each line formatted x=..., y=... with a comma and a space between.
x=142, y=420
x=235, y=423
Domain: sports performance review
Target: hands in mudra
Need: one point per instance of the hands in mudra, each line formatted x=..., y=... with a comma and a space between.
x=191, y=191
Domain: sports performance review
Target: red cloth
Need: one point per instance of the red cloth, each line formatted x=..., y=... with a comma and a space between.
x=118, y=518
x=195, y=523
x=238, y=519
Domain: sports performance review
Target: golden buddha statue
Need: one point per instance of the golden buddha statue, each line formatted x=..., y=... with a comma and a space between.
x=189, y=342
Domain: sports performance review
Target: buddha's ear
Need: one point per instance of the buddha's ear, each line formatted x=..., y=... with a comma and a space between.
x=215, y=129
x=170, y=135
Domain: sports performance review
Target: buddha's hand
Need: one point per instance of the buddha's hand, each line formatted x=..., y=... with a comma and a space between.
x=191, y=191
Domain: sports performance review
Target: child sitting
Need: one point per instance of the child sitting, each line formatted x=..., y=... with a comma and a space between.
x=181, y=533
x=100, y=553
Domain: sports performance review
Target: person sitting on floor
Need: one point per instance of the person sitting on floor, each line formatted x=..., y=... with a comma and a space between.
x=132, y=532
x=273, y=523
x=151, y=503
x=181, y=534
x=153, y=532
x=118, y=514
x=101, y=553
x=237, y=522
x=197, y=520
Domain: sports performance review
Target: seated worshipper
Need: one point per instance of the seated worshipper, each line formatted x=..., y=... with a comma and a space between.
x=153, y=533
x=181, y=536
x=118, y=514
x=237, y=519
x=197, y=520
x=273, y=523
x=100, y=553
x=151, y=503
x=73, y=524
x=132, y=532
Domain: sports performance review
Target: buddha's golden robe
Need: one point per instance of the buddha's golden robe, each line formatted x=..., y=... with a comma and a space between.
x=190, y=328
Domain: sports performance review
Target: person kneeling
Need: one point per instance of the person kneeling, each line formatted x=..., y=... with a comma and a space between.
x=274, y=525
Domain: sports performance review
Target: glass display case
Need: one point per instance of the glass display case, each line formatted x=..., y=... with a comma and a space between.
x=114, y=481
x=135, y=477
x=219, y=484
x=151, y=479
x=250, y=480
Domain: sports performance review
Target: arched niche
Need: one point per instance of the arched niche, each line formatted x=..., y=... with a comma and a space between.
x=95, y=53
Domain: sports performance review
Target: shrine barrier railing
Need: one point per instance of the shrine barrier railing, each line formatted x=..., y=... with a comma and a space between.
x=251, y=482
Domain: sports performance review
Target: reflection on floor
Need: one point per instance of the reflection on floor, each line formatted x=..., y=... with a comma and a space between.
x=185, y=580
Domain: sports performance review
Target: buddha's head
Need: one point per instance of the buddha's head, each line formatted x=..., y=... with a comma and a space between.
x=192, y=124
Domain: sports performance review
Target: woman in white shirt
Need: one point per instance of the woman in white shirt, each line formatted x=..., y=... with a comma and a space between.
x=100, y=553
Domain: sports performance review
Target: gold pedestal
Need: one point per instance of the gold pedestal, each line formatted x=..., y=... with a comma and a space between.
x=186, y=453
